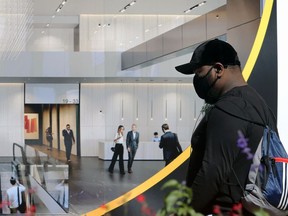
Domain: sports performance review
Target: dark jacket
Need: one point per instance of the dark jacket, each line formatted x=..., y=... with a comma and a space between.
x=130, y=141
x=171, y=146
x=215, y=151
x=68, y=137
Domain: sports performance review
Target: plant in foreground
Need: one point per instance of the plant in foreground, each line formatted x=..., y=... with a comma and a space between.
x=177, y=200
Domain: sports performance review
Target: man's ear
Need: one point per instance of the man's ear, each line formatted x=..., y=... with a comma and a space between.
x=219, y=69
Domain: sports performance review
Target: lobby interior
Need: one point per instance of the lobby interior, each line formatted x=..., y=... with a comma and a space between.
x=97, y=64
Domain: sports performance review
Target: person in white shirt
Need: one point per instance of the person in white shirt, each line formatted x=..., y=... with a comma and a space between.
x=118, y=140
x=156, y=138
x=12, y=195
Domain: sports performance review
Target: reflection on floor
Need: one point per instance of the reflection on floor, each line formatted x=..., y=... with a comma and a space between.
x=91, y=185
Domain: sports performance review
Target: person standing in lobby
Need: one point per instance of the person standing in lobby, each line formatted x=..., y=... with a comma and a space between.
x=132, y=141
x=68, y=141
x=218, y=169
x=170, y=144
x=49, y=137
x=119, y=150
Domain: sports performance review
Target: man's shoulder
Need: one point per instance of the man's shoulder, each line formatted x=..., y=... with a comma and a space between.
x=167, y=134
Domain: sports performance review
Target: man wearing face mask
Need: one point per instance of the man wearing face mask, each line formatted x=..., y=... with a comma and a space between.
x=216, y=161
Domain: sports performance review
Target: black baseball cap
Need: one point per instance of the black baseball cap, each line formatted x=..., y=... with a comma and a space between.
x=208, y=53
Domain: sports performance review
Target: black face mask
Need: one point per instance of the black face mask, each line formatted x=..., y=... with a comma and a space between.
x=203, y=88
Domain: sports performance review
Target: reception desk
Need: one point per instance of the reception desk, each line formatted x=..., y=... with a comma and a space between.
x=146, y=150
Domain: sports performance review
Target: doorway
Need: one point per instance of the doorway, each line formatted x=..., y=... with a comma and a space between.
x=56, y=116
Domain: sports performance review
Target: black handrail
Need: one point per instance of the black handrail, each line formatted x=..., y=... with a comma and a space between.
x=23, y=154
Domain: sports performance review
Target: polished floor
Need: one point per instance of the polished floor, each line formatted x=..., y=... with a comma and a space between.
x=91, y=185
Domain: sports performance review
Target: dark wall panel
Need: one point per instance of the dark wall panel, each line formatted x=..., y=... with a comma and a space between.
x=172, y=40
x=127, y=59
x=139, y=54
x=242, y=38
x=217, y=22
x=240, y=12
x=194, y=31
x=155, y=48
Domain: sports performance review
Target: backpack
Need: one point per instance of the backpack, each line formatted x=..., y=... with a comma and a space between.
x=267, y=183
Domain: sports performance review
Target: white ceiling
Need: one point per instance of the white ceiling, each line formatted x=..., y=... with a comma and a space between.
x=68, y=17
x=156, y=7
x=45, y=9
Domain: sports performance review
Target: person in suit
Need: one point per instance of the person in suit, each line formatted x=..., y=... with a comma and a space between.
x=118, y=140
x=68, y=141
x=170, y=144
x=132, y=141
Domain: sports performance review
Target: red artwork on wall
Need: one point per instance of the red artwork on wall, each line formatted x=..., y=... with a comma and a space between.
x=31, y=126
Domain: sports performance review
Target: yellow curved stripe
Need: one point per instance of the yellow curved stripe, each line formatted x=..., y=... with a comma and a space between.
x=258, y=40
x=142, y=187
x=185, y=155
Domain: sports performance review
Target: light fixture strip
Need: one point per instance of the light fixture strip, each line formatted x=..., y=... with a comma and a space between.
x=127, y=6
x=122, y=109
x=166, y=109
x=194, y=109
x=151, y=110
x=137, y=110
x=195, y=6
x=180, y=109
x=61, y=6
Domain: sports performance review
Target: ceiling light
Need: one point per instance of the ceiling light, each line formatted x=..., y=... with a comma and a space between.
x=47, y=24
x=202, y=3
x=147, y=30
x=132, y=3
x=42, y=32
x=195, y=6
x=127, y=6
x=53, y=16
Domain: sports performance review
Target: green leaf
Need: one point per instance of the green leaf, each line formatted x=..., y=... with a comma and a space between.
x=170, y=184
x=261, y=212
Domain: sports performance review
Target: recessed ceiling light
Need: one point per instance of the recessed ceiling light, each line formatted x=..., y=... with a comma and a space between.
x=53, y=16
x=47, y=24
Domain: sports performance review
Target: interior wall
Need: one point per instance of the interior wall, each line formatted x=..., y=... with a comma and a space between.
x=11, y=117
x=51, y=39
x=105, y=106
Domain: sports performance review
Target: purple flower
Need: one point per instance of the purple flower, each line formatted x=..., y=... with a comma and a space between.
x=242, y=143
